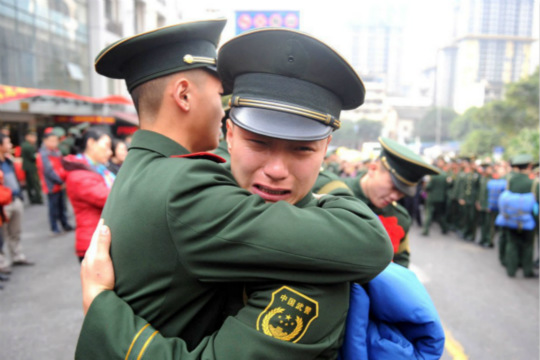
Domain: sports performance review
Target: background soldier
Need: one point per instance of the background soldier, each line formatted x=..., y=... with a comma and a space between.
x=482, y=206
x=467, y=189
x=451, y=202
x=28, y=154
x=389, y=178
x=519, y=241
x=436, y=189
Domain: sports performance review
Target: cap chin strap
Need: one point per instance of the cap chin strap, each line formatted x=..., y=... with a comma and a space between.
x=325, y=119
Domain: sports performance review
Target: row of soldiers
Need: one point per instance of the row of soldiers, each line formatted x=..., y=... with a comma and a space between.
x=464, y=198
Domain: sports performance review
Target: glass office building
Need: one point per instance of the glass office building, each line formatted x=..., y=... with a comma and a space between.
x=44, y=44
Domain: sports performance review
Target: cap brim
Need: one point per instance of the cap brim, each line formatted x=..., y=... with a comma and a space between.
x=407, y=190
x=278, y=124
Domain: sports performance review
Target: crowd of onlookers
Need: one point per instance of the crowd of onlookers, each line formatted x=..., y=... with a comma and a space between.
x=77, y=166
x=463, y=199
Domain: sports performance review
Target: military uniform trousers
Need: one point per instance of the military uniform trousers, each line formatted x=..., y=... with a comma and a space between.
x=33, y=187
x=468, y=221
x=487, y=227
x=519, y=251
x=452, y=207
x=503, y=235
x=435, y=210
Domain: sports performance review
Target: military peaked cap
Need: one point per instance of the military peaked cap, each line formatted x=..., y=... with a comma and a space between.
x=161, y=52
x=406, y=168
x=521, y=160
x=286, y=84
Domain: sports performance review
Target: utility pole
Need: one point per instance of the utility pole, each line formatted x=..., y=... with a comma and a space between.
x=438, y=119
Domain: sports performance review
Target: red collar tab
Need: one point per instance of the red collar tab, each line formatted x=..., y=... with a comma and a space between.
x=202, y=155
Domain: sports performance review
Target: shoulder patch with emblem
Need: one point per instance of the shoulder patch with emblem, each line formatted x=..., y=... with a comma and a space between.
x=288, y=315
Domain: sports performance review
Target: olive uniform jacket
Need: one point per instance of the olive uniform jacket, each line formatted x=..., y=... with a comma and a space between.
x=436, y=188
x=28, y=154
x=394, y=217
x=183, y=231
x=468, y=187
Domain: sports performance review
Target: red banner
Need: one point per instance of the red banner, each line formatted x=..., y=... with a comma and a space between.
x=10, y=93
x=80, y=119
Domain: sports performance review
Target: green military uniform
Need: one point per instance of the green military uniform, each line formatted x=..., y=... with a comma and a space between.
x=178, y=248
x=486, y=219
x=467, y=189
x=452, y=205
x=394, y=217
x=519, y=242
x=33, y=184
x=222, y=151
x=67, y=145
x=436, y=189
x=240, y=337
x=406, y=169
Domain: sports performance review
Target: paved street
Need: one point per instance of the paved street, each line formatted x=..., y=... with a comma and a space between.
x=483, y=310
x=40, y=307
x=486, y=314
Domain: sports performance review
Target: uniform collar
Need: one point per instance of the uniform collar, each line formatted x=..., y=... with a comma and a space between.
x=305, y=200
x=354, y=185
x=150, y=140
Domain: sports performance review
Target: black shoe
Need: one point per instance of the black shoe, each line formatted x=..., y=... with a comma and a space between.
x=68, y=228
x=4, y=277
x=5, y=270
x=24, y=263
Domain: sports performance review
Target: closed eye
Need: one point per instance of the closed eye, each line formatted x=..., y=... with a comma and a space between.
x=257, y=142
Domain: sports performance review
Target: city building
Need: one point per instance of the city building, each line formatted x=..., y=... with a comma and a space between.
x=492, y=46
x=47, y=52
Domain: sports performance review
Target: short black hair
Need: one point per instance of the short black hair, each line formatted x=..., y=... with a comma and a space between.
x=95, y=133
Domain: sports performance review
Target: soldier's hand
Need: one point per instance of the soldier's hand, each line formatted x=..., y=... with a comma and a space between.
x=97, y=272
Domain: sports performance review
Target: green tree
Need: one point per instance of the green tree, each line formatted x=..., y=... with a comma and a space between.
x=464, y=124
x=481, y=142
x=526, y=141
x=426, y=127
x=353, y=133
x=511, y=122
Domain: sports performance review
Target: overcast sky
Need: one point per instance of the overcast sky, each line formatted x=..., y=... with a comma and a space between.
x=427, y=24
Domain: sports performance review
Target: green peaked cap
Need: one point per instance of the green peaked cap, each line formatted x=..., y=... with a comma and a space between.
x=161, y=52
x=405, y=166
x=521, y=159
x=287, y=84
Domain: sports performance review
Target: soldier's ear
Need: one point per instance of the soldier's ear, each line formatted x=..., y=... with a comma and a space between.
x=181, y=93
x=229, y=135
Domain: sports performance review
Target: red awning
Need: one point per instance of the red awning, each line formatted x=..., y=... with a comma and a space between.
x=127, y=117
x=10, y=93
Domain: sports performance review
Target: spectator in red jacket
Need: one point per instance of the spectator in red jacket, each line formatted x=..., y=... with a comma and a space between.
x=88, y=184
x=5, y=199
x=53, y=175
